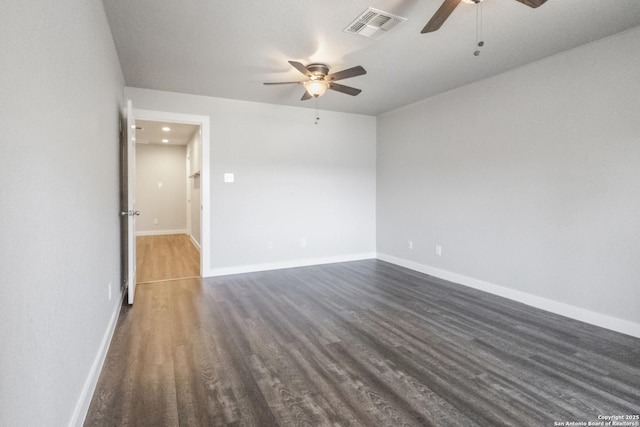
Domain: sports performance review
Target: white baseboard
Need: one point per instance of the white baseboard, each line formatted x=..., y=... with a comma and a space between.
x=195, y=243
x=160, y=232
x=567, y=310
x=82, y=406
x=225, y=271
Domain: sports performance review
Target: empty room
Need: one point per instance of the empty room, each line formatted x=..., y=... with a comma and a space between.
x=390, y=212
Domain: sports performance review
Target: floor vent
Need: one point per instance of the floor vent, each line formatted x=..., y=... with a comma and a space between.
x=373, y=23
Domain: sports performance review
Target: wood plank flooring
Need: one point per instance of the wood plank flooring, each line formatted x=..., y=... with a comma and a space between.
x=355, y=344
x=166, y=257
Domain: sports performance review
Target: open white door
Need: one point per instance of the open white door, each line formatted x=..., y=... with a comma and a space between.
x=131, y=200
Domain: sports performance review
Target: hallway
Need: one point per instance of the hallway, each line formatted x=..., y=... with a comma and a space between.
x=166, y=257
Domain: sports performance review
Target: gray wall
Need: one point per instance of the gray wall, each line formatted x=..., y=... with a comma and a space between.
x=528, y=180
x=293, y=180
x=60, y=97
x=194, y=154
x=161, y=164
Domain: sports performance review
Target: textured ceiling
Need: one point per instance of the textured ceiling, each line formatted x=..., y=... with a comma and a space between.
x=228, y=48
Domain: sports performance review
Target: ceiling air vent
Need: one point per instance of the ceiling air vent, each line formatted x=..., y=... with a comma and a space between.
x=373, y=23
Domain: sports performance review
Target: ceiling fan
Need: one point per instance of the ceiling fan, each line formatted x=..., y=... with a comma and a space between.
x=319, y=79
x=449, y=6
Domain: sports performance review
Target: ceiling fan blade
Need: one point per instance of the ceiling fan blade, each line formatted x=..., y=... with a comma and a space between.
x=532, y=3
x=344, y=89
x=345, y=74
x=305, y=96
x=280, y=83
x=298, y=66
x=441, y=15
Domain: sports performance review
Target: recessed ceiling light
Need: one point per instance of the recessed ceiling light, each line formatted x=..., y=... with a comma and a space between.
x=166, y=128
x=165, y=141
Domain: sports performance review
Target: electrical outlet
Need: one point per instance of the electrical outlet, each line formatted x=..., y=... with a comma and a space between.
x=410, y=244
x=303, y=242
x=155, y=221
x=438, y=250
x=269, y=245
x=109, y=291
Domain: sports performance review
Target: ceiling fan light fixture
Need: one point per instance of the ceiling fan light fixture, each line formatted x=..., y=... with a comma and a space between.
x=471, y=1
x=316, y=88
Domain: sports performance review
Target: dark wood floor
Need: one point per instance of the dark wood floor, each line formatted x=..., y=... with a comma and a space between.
x=355, y=344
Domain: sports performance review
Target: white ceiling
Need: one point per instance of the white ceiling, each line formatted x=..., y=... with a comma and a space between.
x=150, y=132
x=228, y=48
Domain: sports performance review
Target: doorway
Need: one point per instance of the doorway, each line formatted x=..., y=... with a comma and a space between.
x=172, y=197
x=167, y=171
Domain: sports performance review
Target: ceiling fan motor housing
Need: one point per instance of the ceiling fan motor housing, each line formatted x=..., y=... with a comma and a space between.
x=318, y=70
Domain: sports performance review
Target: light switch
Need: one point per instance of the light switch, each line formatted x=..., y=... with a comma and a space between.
x=160, y=185
x=228, y=177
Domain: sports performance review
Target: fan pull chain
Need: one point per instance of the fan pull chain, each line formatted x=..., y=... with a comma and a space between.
x=317, y=109
x=479, y=41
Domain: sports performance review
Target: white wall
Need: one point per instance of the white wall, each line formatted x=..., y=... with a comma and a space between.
x=194, y=153
x=293, y=180
x=529, y=180
x=161, y=192
x=60, y=98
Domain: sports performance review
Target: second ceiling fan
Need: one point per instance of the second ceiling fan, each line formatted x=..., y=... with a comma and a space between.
x=449, y=6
